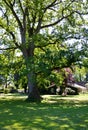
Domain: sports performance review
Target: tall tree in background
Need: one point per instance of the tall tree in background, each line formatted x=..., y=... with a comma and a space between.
x=32, y=24
x=5, y=66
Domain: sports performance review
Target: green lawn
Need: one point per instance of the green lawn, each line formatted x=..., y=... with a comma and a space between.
x=54, y=113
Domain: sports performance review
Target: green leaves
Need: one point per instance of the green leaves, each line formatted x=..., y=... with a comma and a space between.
x=41, y=30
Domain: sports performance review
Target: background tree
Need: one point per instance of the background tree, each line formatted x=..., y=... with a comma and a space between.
x=32, y=26
x=5, y=67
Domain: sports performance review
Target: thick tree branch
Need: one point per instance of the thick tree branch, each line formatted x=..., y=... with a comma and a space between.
x=52, y=24
x=24, y=18
x=13, y=2
x=34, y=20
x=11, y=48
x=50, y=5
x=41, y=16
x=12, y=34
x=14, y=14
x=18, y=20
x=81, y=13
x=63, y=16
x=39, y=24
x=57, y=21
x=14, y=39
x=21, y=6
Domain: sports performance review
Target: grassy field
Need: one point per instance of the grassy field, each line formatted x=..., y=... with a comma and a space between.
x=53, y=113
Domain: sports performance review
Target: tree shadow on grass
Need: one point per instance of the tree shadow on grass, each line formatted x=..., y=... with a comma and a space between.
x=16, y=114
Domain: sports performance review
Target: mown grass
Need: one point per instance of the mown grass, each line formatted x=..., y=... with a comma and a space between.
x=53, y=113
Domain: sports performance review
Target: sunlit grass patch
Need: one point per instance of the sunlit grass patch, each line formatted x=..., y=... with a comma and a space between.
x=69, y=98
x=53, y=113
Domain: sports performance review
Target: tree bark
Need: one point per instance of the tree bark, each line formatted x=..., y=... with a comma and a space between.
x=33, y=93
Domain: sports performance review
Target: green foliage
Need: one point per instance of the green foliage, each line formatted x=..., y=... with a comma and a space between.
x=80, y=73
x=41, y=30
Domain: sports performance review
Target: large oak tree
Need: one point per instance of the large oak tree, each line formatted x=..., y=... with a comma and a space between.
x=30, y=24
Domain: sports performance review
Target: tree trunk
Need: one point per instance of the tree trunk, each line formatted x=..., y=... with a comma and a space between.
x=33, y=93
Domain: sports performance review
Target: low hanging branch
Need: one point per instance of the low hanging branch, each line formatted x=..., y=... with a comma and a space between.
x=11, y=48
